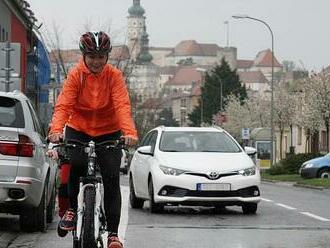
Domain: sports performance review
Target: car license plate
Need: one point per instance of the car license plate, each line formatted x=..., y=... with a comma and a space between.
x=213, y=186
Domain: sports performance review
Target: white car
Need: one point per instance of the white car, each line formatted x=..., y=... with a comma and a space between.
x=202, y=166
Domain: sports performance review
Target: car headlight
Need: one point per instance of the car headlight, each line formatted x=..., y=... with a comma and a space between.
x=248, y=171
x=171, y=171
x=309, y=165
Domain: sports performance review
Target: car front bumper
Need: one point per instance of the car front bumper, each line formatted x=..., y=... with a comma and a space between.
x=309, y=172
x=183, y=189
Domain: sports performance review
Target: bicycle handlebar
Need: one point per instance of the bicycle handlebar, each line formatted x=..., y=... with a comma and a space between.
x=73, y=143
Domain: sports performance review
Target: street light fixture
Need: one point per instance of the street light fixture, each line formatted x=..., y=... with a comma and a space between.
x=271, y=85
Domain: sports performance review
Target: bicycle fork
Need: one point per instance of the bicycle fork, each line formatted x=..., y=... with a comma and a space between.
x=97, y=210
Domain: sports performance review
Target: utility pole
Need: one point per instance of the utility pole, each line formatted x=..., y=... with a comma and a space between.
x=227, y=32
x=7, y=68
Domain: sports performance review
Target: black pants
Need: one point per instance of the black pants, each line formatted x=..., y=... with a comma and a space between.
x=109, y=162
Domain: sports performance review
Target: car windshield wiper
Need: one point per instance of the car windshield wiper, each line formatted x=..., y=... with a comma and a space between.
x=171, y=151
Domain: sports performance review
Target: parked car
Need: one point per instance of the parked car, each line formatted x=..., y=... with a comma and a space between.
x=203, y=166
x=316, y=167
x=27, y=175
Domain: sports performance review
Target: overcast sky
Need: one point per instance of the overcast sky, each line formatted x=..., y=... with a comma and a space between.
x=300, y=27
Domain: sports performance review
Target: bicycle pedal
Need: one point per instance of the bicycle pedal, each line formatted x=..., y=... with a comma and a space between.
x=60, y=232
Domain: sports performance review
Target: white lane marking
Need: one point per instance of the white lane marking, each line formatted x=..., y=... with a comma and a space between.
x=267, y=200
x=124, y=216
x=314, y=216
x=292, y=208
x=285, y=206
x=124, y=212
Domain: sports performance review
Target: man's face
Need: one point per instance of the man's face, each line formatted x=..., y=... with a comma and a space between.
x=96, y=62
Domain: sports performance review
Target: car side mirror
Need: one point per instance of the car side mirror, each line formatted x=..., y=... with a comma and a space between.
x=251, y=151
x=146, y=150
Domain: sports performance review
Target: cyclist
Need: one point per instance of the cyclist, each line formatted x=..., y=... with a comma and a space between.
x=94, y=105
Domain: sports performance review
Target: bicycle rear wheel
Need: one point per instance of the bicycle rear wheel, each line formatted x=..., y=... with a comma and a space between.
x=87, y=236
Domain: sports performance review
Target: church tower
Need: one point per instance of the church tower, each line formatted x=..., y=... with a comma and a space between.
x=144, y=56
x=135, y=28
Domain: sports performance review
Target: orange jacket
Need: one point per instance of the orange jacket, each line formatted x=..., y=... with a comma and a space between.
x=95, y=104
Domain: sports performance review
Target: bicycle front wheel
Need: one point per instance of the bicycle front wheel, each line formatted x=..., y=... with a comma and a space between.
x=87, y=236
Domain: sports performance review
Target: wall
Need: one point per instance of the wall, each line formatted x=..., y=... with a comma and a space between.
x=19, y=35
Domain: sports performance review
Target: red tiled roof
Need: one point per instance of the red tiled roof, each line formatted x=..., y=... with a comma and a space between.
x=120, y=52
x=185, y=75
x=264, y=59
x=209, y=49
x=161, y=48
x=168, y=70
x=68, y=56
x=244, y=64
x=248, y=77
x=192, y=48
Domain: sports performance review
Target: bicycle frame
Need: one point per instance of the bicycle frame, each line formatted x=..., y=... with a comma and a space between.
x=93, y=181
x=90, y=182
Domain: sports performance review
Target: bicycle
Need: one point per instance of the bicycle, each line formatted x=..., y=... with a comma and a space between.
x=91, y=221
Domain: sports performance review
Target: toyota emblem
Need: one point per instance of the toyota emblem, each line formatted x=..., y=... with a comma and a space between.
x=213, y=175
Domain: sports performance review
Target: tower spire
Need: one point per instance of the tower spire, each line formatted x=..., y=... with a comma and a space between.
x=136, y=9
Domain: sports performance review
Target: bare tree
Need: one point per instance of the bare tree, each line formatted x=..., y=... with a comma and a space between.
x=54, y=43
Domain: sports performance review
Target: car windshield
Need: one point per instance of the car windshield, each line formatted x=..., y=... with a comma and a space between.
x=11, y=113
x=192, y=141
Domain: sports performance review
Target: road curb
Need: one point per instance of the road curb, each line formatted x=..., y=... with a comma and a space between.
x=6, y=239
x=308, y=186
x=294, y=184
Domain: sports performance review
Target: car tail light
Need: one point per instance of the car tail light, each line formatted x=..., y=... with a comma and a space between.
x=9, y=149
x=24, y=147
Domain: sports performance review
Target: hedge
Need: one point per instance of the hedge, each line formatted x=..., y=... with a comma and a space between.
x=292, y=163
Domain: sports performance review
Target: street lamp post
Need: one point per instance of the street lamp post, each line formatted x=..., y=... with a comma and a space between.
x=202, y=71
x=271, y=85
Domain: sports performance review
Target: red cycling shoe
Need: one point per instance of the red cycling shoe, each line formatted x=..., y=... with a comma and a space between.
x=114, y=242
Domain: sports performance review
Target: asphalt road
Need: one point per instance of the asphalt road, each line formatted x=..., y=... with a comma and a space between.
x=287, y=217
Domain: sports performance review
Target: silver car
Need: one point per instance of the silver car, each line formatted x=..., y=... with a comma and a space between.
x=27, y=175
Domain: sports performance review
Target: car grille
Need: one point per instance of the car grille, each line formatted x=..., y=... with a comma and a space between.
x=180, y=192
x=214, y=178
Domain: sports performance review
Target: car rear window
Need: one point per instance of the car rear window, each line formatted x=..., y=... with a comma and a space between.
x=11, y=113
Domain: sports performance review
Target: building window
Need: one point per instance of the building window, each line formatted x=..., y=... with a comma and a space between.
x=7, y=37
x=183, y=102
x=3, y=34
